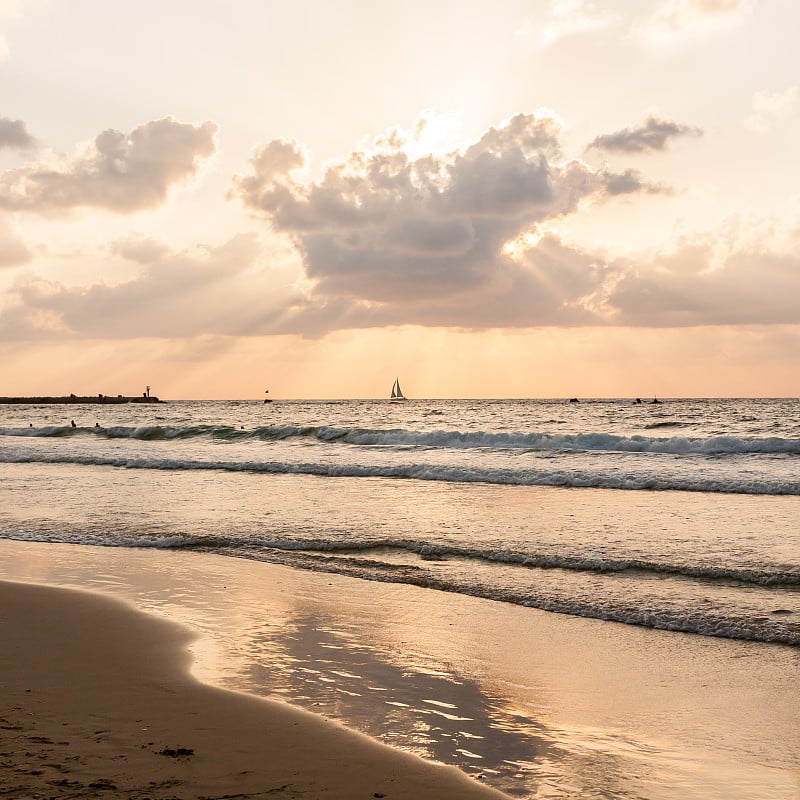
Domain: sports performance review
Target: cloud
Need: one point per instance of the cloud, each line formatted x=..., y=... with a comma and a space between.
x=569, y=18
x=754, y=285
x=460, y=240
x=9, y=10
x=140, y=249
x=772, y=107
x=662, y=22
x=119, y=172
x=680, y=18
x=651, y=136
x=702, y=282
x=631, y=181
x=379, y=227
x=714, y=8
x=14, y=135
x=233, y=291
x=13, y=251
x=225, y=290
x=711, y=8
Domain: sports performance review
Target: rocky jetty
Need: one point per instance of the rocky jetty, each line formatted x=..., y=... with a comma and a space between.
x=74, y=399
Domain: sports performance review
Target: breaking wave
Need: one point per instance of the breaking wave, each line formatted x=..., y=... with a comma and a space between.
x=364, y=560
x=586, y=478
x=426, y=551
x=447, y=439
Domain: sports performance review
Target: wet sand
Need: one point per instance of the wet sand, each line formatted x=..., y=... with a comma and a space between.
x=97, y=701
x=538, y=704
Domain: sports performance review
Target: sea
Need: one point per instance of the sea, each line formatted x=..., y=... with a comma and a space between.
x=682, y=515
x=679, y=515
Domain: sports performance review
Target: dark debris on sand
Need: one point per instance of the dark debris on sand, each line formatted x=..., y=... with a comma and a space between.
x=176, y=752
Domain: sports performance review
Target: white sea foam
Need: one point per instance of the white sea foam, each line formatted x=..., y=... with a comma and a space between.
x=446, y=439
x=599, y=478
x=472, y=461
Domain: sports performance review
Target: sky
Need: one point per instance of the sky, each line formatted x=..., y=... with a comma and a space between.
x=541, y=198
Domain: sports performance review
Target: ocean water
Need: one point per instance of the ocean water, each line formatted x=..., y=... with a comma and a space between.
x=682, y=515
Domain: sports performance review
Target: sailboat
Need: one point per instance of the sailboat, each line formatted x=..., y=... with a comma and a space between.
x=397, y=392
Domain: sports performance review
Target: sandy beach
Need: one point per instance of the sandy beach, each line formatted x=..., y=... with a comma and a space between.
x=98, y=701
x=536, y=704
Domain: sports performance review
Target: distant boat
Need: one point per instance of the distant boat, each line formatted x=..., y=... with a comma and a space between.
x=397, y=392
x=267, y=399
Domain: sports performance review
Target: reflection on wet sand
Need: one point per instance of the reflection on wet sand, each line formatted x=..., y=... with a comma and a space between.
x=436, y=714
x=539, y=705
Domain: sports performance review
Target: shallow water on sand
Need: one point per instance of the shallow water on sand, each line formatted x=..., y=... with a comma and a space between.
x=536, y=704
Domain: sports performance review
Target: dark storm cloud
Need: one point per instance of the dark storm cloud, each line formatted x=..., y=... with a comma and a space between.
x=14, y=135
x=119, y=172
x=653, y=135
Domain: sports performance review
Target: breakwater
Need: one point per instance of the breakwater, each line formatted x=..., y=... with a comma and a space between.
x=73, y=399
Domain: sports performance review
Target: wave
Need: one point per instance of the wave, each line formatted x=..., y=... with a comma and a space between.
x=612, y=478
x=760, y=577
x=774, y=578
x=400, y=437
x=354, y=561
x=775, y=629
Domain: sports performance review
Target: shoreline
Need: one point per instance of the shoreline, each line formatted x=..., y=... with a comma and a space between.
x=536, y=703
x=98, y=697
